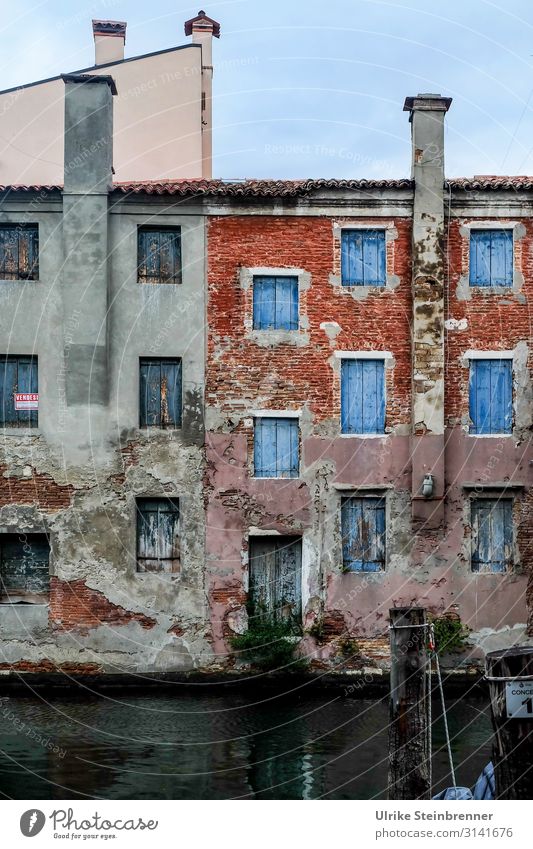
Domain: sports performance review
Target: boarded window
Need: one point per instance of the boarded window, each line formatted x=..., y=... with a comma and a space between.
x=492, y=534
x=491, y=396
x=276, y=453
x=160, y=392
x=159, y=257
x=17, y=374
x=363, y=534
x=363, y=258
x=276, y=577
x=24, y=568
x=19, y=252
x=362, y=396
x=275, y=303
x=158, y=547
x=491, y=258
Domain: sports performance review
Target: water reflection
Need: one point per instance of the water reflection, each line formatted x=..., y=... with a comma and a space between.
x=189, y=746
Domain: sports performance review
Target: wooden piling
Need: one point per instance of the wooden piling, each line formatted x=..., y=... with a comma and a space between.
x=511, y=702
x=409, y=768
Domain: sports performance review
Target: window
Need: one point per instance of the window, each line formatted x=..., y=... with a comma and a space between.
x=24, y=568
x=362, y=396
x=492, y=534
x=19, y=252
x=276, y=577
x=491, y=258
x=363, y=258
x=275, y=303
x=159, y=255
x=276, y=448
x=491, y=396
x=158, y=546
x=160, y=401
x=363, y=534
x=17, y=375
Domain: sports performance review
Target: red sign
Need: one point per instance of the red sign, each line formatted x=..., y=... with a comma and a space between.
x=26, y=401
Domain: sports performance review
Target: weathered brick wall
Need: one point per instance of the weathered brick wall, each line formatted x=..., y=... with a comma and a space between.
x=293, y=376
x=39, y=489
x=75, y=606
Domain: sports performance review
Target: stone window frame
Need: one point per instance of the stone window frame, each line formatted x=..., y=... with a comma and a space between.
x=267, y=338
x=491, y=492
x=389, y=364
x=392, y=280
x=466, y=359
x=464, y=290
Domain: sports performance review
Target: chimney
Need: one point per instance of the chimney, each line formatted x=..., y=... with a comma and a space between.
x=109, y=41
x=87, y=182
x=427, y=113
x=203, y=29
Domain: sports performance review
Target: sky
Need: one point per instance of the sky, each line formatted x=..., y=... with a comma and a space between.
x=316, y=89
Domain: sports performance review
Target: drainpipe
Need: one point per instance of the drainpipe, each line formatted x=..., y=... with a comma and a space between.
x=427, y=113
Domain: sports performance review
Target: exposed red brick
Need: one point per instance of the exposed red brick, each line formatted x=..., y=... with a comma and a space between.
x=49, y=666
x=233, y=595
x=75, y=606
x=40, y=489
x=176, y=629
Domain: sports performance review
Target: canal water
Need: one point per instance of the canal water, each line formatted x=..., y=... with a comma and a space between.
x=190, y=744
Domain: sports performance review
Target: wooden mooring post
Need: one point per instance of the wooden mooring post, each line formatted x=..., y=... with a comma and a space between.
x=409, y=749
x=510, y=678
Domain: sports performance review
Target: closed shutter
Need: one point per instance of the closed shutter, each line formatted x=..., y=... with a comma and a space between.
x=24, y=567
x=363, y=259
x=17, y=374
x=159, y=256
x=160, y=393
x=276, y=452
x=275, y=303
x=491, y=396
x=362, y=396
x=363, y=534
x=492, y=535
x=275, y=577
x=157, y=535
x=491, y=258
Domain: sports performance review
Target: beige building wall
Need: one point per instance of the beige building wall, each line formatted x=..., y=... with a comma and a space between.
x=157, y=122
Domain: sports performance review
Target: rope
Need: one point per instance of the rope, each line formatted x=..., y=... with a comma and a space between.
x=508, y=678
x=430, y=725
x=433, y=651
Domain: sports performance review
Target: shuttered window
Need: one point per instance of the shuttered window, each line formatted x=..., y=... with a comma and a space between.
x=491, y=258
x=492, y=534
x=159, y=255
x=160, y=392
x=24, y=568
x=158, y=546
x=276, y=577
x=17, y=374
x=275, y=303
x=363, y=534
x=276, y=448
x=491, y=396
x=362, y=396
x=19, y=252
x=363, y=258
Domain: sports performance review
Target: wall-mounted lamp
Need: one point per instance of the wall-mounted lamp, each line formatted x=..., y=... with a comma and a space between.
x=427, y=486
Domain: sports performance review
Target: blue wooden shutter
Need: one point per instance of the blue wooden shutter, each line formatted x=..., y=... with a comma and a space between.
x=491, y=396
x=363, y=534
x=286, y=303
x=160, y=393
x=275, y=304
x=363, y=258
x=17, y=374
x=492, y=535
x=362, y=396
x=171, y=393
x=491, y=258
x=264, y=303
x=159, y=255
x=27, y=382
x=276, y=448
x=157, y=535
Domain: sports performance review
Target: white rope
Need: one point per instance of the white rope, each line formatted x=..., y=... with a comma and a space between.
x=433, y=649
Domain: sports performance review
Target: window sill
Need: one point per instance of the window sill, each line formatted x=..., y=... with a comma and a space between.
x=490, y=435
x=18, y=280
x=20, y=431
x=364, y=435
x=488, y=287
x=363, y=285
x=277, y=478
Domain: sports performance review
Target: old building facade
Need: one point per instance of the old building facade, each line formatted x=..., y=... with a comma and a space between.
x=311, y=397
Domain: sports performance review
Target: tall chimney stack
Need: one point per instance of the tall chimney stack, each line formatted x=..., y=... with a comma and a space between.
x=427, y=113
x=87, y=183
x=109, y=41
x=203, y=29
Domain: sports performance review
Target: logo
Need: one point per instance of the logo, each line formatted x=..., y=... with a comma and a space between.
x=32, y=822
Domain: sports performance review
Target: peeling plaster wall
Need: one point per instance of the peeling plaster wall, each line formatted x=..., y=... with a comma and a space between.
x=77, y=476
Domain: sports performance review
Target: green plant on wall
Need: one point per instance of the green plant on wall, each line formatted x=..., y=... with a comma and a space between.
x=349, y=648
x=450, y=634
x=317, y=629
x=269, y=644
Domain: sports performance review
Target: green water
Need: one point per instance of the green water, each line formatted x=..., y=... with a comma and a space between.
x=190, y=744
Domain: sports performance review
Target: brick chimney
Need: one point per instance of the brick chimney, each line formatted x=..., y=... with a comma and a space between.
x=427, y=113
x=203, y=29
x=109, y=41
